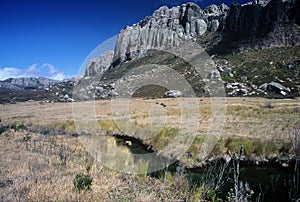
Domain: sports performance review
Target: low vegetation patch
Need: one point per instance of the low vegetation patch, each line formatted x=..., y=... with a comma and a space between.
x=82, y=182
x=257, y=147
x=13, y=126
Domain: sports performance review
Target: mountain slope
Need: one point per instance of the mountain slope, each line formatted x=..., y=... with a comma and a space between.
x=259, y=24
x=253, y=46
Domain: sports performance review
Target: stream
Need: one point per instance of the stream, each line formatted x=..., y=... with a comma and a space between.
x=269, y=181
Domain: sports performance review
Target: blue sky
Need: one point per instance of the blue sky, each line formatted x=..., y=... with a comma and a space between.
x=52, y=38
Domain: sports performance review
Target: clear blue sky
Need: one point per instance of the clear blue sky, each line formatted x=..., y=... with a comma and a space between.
x=53, y=37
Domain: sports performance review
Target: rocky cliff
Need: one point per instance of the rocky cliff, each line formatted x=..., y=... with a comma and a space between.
x=101, y=64
x=252, y=45
x=166, y=28
x=260, y=17
x=262, y=21
x=276, y=22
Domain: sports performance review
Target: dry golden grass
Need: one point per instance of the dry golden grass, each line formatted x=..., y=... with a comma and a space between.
x=245, y=117
x=43, y=168
x=148, y=119
x=40, y=173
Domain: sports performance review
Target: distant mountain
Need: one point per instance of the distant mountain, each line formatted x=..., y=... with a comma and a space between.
x=255, y=49
x=21, y=84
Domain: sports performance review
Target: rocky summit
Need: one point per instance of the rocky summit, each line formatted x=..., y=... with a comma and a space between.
x=101, y=64
x=166, y=27
x=253, y=46
x=275, y=21
x=254, y=49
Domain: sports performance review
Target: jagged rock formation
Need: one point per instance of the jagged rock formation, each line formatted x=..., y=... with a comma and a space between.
x=166, y=28
x=257, y=17
x=26, y=83
x=219, y=29
x=273, y=19
x=101, y=64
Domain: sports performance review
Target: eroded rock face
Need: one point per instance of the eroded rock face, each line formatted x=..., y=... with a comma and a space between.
x=166, y=28
x=99, y=65
x=257, y=17
x=257, y=24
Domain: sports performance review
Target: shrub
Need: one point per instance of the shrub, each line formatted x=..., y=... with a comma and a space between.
x=18, y=126
x=3, y=129
x=82, y=182
x=14, y=126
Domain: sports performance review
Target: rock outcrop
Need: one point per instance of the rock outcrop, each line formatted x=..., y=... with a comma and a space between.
x=99, y=65
x=166, y=28
x=173, y=94
x=257, y=17
x=219, y=29
x=276, y=90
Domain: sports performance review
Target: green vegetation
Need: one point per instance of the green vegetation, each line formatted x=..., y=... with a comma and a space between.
x=159, y=58
x=14, y=126
x=3, y=129
x=82, y=182
x=257, y=66
x=257, y=147
x=264, y=66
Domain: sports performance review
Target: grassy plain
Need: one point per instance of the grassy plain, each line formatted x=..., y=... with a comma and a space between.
x=39, y=163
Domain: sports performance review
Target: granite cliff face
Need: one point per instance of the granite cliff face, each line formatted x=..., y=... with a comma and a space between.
x=166, y=28
x=232, y=36
x=258, y=17
x=101, y=64
x=275, y=20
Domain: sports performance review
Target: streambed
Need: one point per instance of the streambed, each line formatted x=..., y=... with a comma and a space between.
x=269, y=181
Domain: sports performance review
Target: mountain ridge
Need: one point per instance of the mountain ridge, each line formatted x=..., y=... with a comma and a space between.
x=269, y=22
x=250, y=58
x=28, y=83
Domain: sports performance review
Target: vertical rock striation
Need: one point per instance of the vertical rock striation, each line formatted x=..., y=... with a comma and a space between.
x=99, y=65
x=167, y=27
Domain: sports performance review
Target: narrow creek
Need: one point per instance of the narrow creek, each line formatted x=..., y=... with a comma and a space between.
x=269, y=181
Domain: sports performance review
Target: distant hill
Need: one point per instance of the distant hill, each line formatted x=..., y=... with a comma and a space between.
x=23, y=89
x=21, y=84
x=254, y=49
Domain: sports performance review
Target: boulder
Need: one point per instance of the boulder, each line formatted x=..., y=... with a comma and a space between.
x=276, y=90
x=173, y=94
x=237, y=89
x=66, y=98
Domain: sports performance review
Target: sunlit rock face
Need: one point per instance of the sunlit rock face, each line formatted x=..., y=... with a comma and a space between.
x=99, y=65
x=166, y=28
